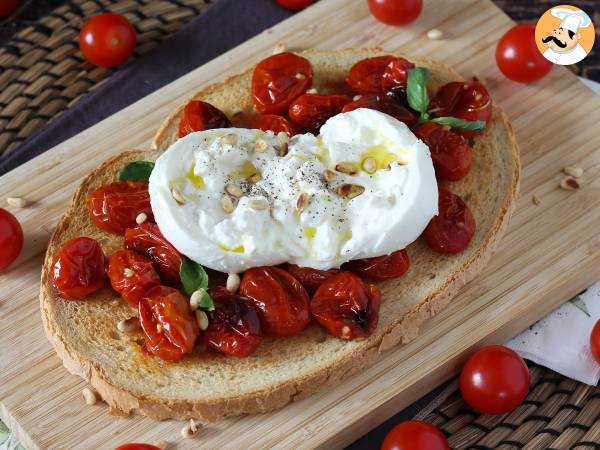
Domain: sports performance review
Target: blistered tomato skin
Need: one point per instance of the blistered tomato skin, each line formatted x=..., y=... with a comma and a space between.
x=131, y=275
x=380, y=267
x=115, y=206
x=365, y=76
x=199, y=116
x=278, y=80
x=310, y=111
x=78, y=269
x=276, y=124
x=234, y=326
x=454, y=226
x=395, y=76
x=310, y=278
x=281, y=301
x=450, y=151
x=170, y=329
x=11, y=238
x=346, y=306
x=147, y=239
x=384, y=105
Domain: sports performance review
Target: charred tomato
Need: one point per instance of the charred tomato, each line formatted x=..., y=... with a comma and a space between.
x=454, y=226
x=281, y=301
x=378, y=268
x=147, y=239
x=199, y=116
x=310, y=111
x=278, y=80
x=78, y=269
x=346, y=306
x=384, y=105
x=115, y=206
x=395, y=76
x=233, y=326
x=170, y=329
x=276, y=124
x=310, y=278
x=365, y=76
x=131, y=275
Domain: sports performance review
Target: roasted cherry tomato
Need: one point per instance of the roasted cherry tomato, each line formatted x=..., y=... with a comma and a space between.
x=131, y=275
x=415, y=435
x=310, y=111
x=365, y=76
x=518, y=57
x=107, y=40
x=311, y=279
x=396, y=12
x=395, y=76
x=346, y=306
x=295, y=5
x=148, y=240
x=199, y=116
x=7, y=7
x=450, y=151
x=467, y=100
x=384, y=267
x=11, y=238
x=384, y=105
x=278, y=80
x=234, y=326
x=78, y=269
x=495, y=380
x=136, y=446
x=276, y=124
x=454, y=226
x=115, y=206
x=170, y=328
x=595, y=341
x=280, y=300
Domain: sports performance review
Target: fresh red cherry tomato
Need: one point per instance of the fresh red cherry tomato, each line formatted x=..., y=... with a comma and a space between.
x=11, y=238
x=395, y=76
x=131, y=275
x=234, y=326
x=517, y=56
x=199, y=116
x=276, y=124
x=170, y=328
x=280, y=300
x=7, y=7
x=107, y=40
x=136, y=446
x=450, y=151
x=384, y=105
x=278, y=80
x=346, y=306
x=467, y=100
x=295, y=5
x=495, y=380
x=595, y=341
x=454, y=226
x=396, y=12
x=365, y=76
x=147, y=239
x=415, y=435
x=379, y=268
x=311, y=279
x=310, y=111
x=78, y=269
x=115, y=206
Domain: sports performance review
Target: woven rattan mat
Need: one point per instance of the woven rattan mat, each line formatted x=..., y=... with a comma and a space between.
x=42, y=71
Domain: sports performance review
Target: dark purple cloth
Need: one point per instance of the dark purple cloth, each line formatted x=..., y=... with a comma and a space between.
x=221, y=27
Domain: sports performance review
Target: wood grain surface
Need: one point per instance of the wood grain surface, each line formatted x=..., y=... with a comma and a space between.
x=550, y=252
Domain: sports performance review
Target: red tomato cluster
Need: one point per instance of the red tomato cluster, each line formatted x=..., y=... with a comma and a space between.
x=11, y=238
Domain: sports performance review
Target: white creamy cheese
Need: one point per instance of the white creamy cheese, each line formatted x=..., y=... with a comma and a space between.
x=266, y=226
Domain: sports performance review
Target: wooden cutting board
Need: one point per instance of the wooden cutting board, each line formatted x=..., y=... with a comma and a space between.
x=549, y=253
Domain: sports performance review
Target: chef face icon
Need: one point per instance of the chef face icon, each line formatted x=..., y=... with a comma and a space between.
x=564, y=35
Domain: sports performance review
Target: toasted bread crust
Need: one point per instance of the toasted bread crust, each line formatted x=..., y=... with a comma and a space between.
x=124, y=397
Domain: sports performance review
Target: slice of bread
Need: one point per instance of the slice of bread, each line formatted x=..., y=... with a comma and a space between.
x=211, y=386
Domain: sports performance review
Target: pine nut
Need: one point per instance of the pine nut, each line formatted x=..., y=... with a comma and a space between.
x=569, y=184
x=283, y=137
x=89, y=396
x=190, y=429
x=347, y=168
x=536, y=200
x=128, y=325
x=434, y=34
x=229, y=139
x=196, y=297
x=258, y=204
x=202, y=319
x=575, y=172
x=346, y=332
x=233, y=282
x=300, y=76
x=128, y=273
x=255, y=177
x=233, y=190
x=141, y=218
x=177, y=196
x=369, y=165
x=329, y=175
x=260, y=146
x=350, y=191
x=312, y=91
x=17, y=202
x=356, y=98
x=227, y=204
x=302, y=202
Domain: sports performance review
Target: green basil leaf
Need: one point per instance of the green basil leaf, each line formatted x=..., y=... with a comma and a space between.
x=193, y=276
x=136, y=171
x=416, y=89
x=459, y=124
